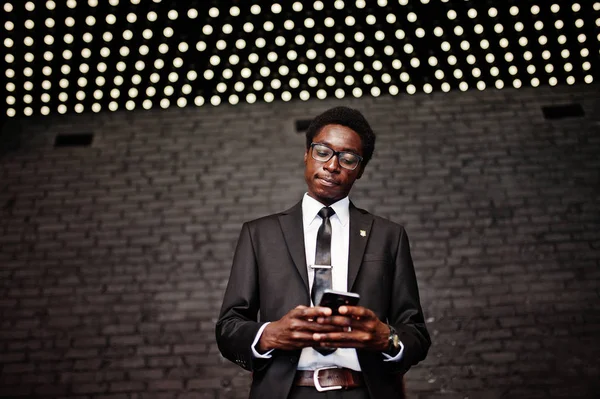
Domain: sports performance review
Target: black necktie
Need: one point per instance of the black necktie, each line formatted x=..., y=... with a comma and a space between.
x=322, y=279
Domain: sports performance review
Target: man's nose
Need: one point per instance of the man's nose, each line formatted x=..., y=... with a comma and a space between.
x=332, y=165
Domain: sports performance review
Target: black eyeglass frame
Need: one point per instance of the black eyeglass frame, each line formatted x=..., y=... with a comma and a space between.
x=336, y=153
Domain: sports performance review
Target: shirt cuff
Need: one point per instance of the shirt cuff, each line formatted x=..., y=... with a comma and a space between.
x=396, y=358
x=266, y=355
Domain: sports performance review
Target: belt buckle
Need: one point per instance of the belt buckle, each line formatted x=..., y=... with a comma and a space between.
x=318, y=384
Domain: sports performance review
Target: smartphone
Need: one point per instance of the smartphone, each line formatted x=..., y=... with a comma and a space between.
x=334, y=299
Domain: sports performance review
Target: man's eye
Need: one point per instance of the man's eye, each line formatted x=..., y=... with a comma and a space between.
x=322, y=153
x=347, y=160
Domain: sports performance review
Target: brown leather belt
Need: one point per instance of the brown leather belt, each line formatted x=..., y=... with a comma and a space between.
x=329, y=378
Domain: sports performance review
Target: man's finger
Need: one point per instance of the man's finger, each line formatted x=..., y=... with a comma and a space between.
x=356, y=311
x=343, y=344
x=312, y=312
x=344, y=337
x=312, y=327
x=301, y=336
x=343, y=321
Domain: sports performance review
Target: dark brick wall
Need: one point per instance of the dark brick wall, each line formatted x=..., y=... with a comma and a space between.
x=113, y=258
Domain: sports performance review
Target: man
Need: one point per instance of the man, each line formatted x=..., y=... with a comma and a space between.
x=283, y=260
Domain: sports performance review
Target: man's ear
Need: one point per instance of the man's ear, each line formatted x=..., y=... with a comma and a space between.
x=306, y=156
x=360, y=172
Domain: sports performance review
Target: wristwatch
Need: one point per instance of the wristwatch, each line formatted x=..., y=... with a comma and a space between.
x=393, y=341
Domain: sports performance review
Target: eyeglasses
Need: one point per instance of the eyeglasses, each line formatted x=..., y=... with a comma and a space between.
x=347, y=160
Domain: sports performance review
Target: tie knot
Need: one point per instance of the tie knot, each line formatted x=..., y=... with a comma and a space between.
x=326, y=212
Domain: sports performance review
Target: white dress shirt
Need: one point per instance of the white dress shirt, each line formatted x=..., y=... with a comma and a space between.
x=310, y=359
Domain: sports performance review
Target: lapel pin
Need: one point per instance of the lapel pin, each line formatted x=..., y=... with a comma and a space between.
x=363, y=233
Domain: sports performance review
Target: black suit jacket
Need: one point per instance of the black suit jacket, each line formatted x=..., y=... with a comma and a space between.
x=269, y=278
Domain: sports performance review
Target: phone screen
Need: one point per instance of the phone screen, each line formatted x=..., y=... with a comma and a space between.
x=335, y=299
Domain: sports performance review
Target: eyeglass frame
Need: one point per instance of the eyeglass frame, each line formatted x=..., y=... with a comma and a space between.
x=336, y=154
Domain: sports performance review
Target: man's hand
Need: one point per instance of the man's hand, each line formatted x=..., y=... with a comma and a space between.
x=296, y=329
x=360, y=329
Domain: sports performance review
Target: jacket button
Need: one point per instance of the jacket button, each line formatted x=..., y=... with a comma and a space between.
x=293, y=359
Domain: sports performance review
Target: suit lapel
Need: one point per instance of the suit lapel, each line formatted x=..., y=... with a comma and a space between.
x=293, y=232
x=360, y=231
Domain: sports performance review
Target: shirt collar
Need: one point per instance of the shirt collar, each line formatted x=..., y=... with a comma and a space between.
x=311, y=207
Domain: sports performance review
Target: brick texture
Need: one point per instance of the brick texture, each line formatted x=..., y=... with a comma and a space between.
x=114, y=258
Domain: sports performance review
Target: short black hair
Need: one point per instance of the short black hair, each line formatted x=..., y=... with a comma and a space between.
x=348, y=117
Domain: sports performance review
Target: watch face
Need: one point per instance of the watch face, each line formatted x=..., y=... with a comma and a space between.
x=396, y=341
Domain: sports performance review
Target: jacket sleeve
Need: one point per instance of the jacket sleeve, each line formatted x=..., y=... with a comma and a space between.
x=405, y=312
x=237, y=325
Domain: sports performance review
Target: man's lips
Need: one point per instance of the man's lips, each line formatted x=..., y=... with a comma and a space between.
x=327, y=181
